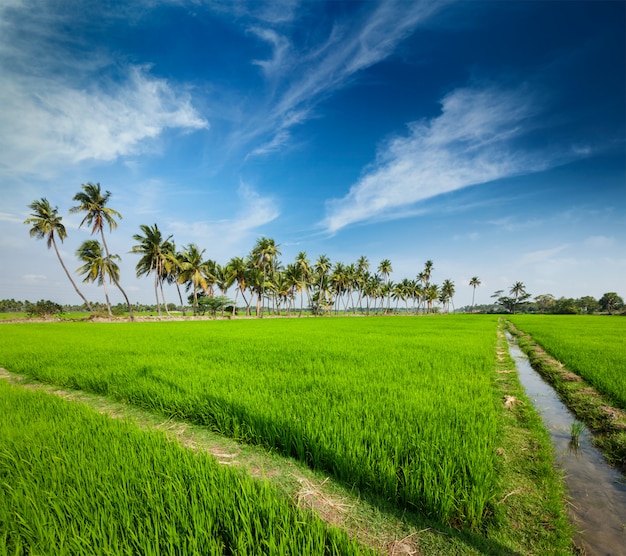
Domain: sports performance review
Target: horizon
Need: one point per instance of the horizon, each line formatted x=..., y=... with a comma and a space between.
x=487, y=137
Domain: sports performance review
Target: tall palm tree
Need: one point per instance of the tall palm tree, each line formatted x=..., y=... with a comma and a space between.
x=322, y=266
x=447, y=291
x=46, y=223
x=173, y=267
x=361, y=278
x=155, y=252
x=265, y=253
x=474, y=283
x=236, y=268
x=303, y=263
x=428, y=269
x=385, y=269
x=518, y=290
x=192, y=272
x=93, y=203
x=431, y=294
x=97, y=267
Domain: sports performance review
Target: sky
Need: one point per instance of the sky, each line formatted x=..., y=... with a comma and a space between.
x=487, y=137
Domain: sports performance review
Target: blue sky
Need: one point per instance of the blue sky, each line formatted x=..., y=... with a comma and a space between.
x=488, y=137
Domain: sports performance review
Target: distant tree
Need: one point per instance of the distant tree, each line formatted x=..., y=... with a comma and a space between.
x=545, y=302
x=518, y=290
x=93, y=203
x=610, y=302
x=385, y=269
x=46, y=222
x=43, y=309
x=587, y=304
x=474, y=283
x=447, y=291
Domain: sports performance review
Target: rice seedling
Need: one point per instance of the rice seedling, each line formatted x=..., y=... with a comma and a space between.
x=403, y=408
x=591, y=346
x=75, y=482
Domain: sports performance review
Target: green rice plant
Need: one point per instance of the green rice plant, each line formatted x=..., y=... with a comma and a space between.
x=75, y=482
x=591, y=346
x=403, y=408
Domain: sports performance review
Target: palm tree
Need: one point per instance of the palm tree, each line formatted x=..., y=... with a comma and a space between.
x=155, y=252
x=431, y=294
x=173, y=268
x=447, y=291
x=474, y=283
x=428, y=268
x=93, y=202
x=97, y=267
x=46, y=223
x=322, y=266
x=236, y=268
x=384, y=268
x=264, y=253
x=518, y=290
x=362, y=269
x=192, y=272
x=304, y=265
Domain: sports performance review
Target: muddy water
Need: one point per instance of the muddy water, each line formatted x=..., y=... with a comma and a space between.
x=597, y=491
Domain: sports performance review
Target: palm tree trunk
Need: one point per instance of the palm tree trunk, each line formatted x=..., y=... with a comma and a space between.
x=180, y=296
x=70, y=277
x=115, y=280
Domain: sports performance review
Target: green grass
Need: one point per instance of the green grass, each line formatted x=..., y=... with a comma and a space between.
x=75, y=482
x=402, y=408
x=594, y=347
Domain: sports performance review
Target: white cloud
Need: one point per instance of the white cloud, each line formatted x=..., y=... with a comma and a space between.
x=307, y=76
x=470, y=142
x=600, y=242
x=542, y=255
x=47, y=122
x=230, y=236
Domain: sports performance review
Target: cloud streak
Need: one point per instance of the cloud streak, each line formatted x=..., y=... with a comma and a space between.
x=477, y=138
x=324, y=67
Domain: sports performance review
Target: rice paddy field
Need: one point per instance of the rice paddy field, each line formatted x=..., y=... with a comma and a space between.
x=594, y=347
x=405, y=410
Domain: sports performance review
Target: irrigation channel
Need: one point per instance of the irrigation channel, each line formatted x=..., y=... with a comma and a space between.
x=597, y=491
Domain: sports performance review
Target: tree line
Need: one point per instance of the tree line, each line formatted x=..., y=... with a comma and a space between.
x=264, y=283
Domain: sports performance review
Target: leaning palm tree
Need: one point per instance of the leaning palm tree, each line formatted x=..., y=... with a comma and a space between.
x=474, y=283
x=154, y=251
x=97, y=267
x=93, y=203
x=46, y=222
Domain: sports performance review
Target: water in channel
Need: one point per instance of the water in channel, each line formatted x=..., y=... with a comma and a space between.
x=597, y=491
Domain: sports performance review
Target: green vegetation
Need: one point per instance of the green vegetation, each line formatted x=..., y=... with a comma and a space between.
x=75, y=482
x=381, y=404
x=403, y=408
x=592, y=346
x=599, y=412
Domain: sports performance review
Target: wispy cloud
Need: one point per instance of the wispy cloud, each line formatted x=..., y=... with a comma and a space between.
x=325, y=66
x=472, y=141
x=541, y=255
x=227, y=237
x=47, y=122
x=63, y=103
x=600, y=242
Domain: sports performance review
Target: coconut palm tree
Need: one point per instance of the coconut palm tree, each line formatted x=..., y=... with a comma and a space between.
x=93, y=203
x=238, y=272
x=192, y=272
x=428, y=269
x=264, y=254
x=447, y=291
x=303, y=263
x=431, y=294
x=154, y=251
x=322, y=266
x=474, y=283
x=97, y=267
x=385, y=269
x=518, y=291
x=361, y=277
x=46, y=223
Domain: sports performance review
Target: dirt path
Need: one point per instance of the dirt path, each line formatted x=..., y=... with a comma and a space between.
x=306, y=488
